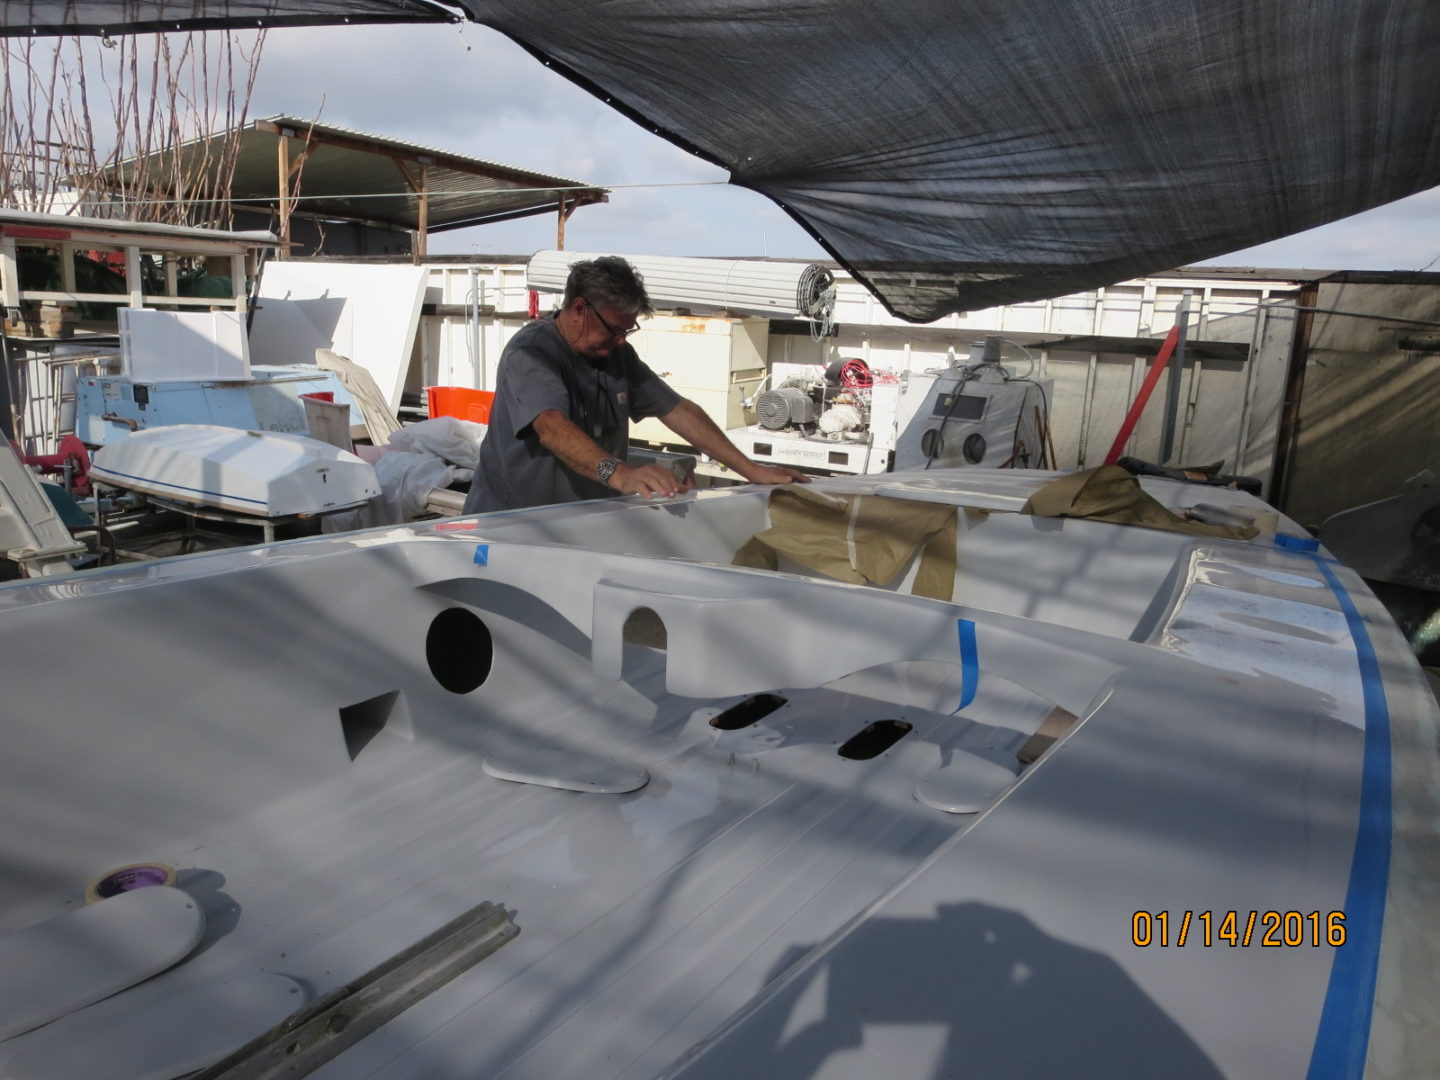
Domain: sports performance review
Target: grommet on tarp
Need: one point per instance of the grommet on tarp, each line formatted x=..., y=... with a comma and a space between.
x=127, y=879
x=1296, y=543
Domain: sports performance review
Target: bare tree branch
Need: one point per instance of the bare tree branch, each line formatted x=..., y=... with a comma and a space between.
x=140, y=149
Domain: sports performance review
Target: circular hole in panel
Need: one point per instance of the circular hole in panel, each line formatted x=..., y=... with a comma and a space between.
x=932, y=443
x=459, y=650
x=974, y=448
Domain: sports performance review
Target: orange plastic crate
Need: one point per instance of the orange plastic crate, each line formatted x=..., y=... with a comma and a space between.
x=460, y=401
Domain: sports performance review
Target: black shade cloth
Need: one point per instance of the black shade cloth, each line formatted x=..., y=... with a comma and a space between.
x=138, y=16
x=957, y=154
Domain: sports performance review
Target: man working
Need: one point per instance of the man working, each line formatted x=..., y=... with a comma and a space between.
x=567, y=388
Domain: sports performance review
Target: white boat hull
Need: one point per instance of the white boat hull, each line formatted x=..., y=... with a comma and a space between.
x=396, y=725
x=260, y=474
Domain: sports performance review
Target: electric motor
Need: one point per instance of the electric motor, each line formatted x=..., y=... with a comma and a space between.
x=787, y=405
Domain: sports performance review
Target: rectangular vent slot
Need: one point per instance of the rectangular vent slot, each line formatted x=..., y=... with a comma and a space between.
x=365, y=720
x=747, y=712
x=875, y=739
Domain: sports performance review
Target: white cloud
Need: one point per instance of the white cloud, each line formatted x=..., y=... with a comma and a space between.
x=379, y=78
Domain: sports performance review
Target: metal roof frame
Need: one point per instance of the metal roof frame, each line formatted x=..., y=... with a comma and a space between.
x=296, y=166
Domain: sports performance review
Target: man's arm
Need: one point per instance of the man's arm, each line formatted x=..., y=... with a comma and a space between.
x=694, y=425
x=577, y=451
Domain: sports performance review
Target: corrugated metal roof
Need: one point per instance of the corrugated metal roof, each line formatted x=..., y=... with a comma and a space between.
x=357, y=176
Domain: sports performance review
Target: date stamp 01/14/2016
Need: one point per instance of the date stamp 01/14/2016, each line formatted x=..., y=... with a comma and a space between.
x=1267, y=929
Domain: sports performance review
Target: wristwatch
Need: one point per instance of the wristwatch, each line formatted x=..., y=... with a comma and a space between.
x=605, y=469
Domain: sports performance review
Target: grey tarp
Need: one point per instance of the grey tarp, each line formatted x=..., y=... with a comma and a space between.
x=957, y=154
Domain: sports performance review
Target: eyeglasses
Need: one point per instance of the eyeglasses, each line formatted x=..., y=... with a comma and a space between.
x=615, y=334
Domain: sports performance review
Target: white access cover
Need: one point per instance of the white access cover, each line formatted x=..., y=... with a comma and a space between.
x=146, y=1034
x=264, y=474
x=81, y=956
x=183, y=346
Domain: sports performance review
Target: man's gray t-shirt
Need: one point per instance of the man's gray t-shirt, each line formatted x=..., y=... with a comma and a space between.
x=537, y=372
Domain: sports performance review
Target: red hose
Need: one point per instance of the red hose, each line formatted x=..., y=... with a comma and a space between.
x=855, y=374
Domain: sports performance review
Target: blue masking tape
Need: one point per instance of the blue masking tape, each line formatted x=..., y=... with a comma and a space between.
x=1344, y=1031
x=1296, y=543
x=969, y=663
x=482, y=554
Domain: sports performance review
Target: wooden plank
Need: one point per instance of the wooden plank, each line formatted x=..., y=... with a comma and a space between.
x=424, y=224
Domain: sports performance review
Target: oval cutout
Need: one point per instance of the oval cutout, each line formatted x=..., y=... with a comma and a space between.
x=459, y=650
x=747, y=712
x=875, y=739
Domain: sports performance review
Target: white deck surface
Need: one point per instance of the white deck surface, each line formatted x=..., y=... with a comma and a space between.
x=762, y=906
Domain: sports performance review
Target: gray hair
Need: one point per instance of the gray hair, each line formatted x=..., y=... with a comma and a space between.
x=608, y=281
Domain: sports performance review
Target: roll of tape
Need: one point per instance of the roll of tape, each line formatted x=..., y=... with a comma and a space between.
x=127, y=878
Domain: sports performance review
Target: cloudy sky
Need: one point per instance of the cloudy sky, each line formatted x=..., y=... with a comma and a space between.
x=471, y=91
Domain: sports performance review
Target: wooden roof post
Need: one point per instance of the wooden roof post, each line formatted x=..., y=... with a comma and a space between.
x=567, y=207
x=422, y=218
x=283, y=186
x=424, y=222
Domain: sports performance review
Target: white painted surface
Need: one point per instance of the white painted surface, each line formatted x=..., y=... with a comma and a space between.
x=762, y=907
x=559, y=767
x=716, y=363
x=263, y=474
x=69, y=961
x=365, y=313
x=965, y=784
x=144, y=1036
x=749, y=286
x=183, y=346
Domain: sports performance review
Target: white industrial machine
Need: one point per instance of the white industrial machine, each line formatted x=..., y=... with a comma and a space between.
x=854, y=420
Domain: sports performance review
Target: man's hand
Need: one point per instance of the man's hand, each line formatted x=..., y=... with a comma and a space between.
x=647, y=480
x=694, y=426
x=775, y=474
